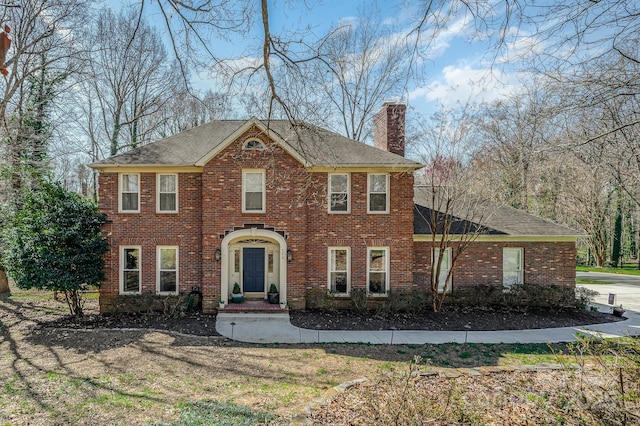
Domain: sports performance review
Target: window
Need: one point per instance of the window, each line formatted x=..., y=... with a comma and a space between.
x=236, y=261
x=378, y=271
x=167, y=193
x=129, y=192
x=130, y=270
x=378, y=189
x=253, y=145
x=270, y=262
x=167, y=277
x=339, y=265
x=512, y=266
x=339, y=193
x=445, y=267
x=253, y=193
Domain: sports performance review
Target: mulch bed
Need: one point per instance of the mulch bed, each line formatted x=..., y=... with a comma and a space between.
x=198, y=324
x=194, y=324
x=450, y=319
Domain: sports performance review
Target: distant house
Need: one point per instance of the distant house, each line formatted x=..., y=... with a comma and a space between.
x=256, y=203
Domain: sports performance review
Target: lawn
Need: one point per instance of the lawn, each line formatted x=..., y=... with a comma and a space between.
x=54, y=376
x=627, y=269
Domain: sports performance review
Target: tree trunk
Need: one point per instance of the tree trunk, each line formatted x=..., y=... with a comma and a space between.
x=4, y=280
x=75, y=302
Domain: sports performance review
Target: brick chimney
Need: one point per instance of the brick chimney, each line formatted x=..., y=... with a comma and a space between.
x=388, y=128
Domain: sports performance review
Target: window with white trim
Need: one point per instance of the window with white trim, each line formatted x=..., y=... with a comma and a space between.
x=339, y=188
x=445, y=267
x=129, y=192
x=512, y=270
x=130, y=270
x=167, y=270
x=339, y=270
x=253, y=191
x=167, y=185
x=378, y=193
x=378, y=271
x=253, y=145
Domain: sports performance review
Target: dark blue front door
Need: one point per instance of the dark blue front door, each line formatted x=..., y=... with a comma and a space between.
x=253, y=270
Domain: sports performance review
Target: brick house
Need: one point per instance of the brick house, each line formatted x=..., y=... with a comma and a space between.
x=257, y=203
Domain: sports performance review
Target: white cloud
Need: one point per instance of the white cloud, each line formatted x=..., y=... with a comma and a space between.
x=460, y=85
x=442, y=40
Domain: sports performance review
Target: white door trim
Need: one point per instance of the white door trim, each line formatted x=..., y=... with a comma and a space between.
x=241, y=234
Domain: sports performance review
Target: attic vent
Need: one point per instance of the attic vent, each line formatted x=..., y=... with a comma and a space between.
x=253, y=145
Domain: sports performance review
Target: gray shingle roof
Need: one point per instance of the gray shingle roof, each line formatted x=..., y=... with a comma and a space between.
x=318, y=147
x=497, y=219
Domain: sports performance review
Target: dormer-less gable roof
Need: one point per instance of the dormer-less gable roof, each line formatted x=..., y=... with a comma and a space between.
x=489, y=218
x=310, y=145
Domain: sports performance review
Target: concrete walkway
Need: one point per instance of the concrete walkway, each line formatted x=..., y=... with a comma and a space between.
x=276, y=328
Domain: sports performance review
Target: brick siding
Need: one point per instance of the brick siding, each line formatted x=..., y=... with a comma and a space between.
x=481, y=263
x=210, y=204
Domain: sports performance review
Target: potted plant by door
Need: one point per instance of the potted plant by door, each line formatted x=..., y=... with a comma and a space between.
x=273, y=295
x=236, y=294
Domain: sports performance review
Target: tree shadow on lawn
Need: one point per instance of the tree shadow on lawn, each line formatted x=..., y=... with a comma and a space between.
x=22, y=368
x=449, y=355
x=50, y=329
x=453, y=355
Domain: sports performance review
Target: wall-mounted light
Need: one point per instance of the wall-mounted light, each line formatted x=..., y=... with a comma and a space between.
x=289, y=256
x=218, y=255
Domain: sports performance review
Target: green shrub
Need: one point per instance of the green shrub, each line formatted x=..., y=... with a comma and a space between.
x=414, y=300
x=517, y=297
x=320, y=299
x=417, y=300
x=151, y=303
x=585, y=297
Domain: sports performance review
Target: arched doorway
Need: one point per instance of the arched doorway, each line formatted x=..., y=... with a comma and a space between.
x=254, y=258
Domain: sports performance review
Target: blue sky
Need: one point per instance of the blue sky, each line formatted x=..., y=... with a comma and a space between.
x=457, y=70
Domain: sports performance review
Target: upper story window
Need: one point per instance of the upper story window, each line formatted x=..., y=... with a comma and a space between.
x=339, y=193
x=253, y=191
x=378, y=193
x=167, y=193
x=129, y=193
x=254, y=145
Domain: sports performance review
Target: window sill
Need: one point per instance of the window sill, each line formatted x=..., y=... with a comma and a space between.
x=341, y=295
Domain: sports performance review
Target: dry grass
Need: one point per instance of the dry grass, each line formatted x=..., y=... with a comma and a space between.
x=57, y=377
x=518, y=398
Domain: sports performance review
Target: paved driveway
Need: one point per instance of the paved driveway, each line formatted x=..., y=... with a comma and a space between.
x=625, y=287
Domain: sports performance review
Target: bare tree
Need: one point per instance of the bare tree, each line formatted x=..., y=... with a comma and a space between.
x=128, y=85
x=454, y=216
x=518, y=135
x=183, y=112
x=43, y=50
x=361, y=65
x=589, y=205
